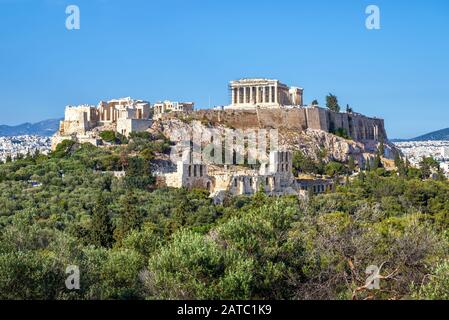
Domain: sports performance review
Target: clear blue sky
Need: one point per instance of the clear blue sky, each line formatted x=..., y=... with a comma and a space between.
x=190, y=49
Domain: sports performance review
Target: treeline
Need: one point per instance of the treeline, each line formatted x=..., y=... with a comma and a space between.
x=132, y=241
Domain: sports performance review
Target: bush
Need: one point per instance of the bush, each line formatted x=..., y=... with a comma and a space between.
x=108, y=136
x=437, y=285
x=195, y=267
x=63, y=149
x=342, y=133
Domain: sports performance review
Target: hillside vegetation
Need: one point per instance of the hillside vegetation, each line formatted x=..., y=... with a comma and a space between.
x=133, y=241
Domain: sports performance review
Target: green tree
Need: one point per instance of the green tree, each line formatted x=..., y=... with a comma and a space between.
x=377, y=162
x=64, y=149
x=303, y=163
x=130, y=219
x=36, y=154
x=437, y=286
x=315, y=103
x=138, y=173
x=381, y=148
x=108, y=136
x=351, y=164
x=349, y=109
x=262, y=235
x=334, y=169
x=30, y=274
x=400, y=165
x=332, y=102
x=193, y=266
x=111, y=274
x=427, y=166
x=361, y=176
x=341, y=132
x=101, y=229
x=368, y=165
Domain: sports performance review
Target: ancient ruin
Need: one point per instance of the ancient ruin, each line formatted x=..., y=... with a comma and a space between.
x=264, y=104
x=82, y=123
x=169, y=106
x=263, y=93
x=273, y=177
x=256, y=104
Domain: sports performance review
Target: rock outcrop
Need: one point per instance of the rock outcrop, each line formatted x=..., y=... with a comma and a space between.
x=309, y=141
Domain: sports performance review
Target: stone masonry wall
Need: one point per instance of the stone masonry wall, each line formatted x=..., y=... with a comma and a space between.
x=358, y=126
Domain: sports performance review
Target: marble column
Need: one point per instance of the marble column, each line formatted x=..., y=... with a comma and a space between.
x=244, y=95
x=276, y=98
x=250, y=95
x=264, y=94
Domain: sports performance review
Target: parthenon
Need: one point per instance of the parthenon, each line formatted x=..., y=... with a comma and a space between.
x=264, y=93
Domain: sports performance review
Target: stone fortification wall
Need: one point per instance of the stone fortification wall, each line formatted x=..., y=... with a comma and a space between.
x=358, y=126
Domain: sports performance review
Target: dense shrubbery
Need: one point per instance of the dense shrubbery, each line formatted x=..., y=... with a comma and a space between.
x=131, y=241
x=113, y=137
x=303, y=163
x=342, y=133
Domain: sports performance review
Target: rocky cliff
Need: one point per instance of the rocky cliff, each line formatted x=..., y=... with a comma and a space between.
x=309, y=141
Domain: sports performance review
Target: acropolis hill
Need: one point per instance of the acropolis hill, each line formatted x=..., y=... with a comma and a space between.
x=255, y=104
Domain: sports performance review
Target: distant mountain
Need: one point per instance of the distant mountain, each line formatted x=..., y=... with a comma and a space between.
x=42, y=128
x=442, y=134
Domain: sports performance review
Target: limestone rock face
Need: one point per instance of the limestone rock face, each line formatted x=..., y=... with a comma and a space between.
x=309, y=141
x=312, y=141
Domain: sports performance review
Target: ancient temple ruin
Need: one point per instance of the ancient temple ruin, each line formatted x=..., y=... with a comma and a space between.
x=124, y=116
x=166, y=106
x=263, y=93
x=274, y=178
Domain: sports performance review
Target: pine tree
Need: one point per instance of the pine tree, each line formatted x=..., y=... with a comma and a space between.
x=131, y=218
x=124, y=161
x=36, y=154
x=381, y=148
x=368, y=165
x=349, y=109
x=260, y=196
x=397, y=160
x=362, y=176
x=351, y=164
x=377, y=163
x=400, y=165
x=101, y=229
x=332, y=103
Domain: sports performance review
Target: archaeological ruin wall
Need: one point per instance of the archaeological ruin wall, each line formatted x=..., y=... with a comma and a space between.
x=357, y=126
